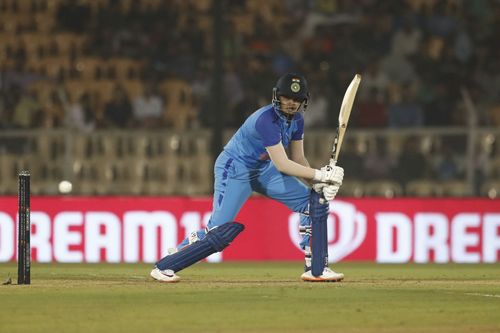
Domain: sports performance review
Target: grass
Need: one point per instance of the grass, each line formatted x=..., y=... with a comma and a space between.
x=252, y=297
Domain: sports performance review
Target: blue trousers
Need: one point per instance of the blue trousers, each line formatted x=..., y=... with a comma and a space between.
x=234, y=183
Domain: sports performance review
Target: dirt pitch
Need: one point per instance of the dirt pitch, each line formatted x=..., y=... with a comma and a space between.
x=252, y=297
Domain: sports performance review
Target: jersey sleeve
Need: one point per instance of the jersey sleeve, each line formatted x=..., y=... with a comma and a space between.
x=298, y=134
x=268, y=130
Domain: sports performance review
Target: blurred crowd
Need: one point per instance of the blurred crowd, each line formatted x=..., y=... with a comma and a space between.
x=148, y=64
x=416, y=57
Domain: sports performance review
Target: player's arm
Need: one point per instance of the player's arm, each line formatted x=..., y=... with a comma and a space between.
x=281, y=161
x=269, y=132
x=327, y=174
x=297, y=155
x=297, y=152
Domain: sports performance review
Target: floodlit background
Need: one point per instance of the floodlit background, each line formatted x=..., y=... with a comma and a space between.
x=137, y=97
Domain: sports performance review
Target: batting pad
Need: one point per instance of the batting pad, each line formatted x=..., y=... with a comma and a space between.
x=216, y=240
x=318, y=214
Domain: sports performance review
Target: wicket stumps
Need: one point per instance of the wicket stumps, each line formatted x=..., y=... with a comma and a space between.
x=24, y=232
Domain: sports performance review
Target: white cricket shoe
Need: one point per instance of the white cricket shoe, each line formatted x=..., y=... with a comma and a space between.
x=164, y=276
x=327, y=276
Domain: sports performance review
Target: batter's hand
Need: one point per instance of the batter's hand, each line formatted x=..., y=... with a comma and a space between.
x=330, y=174
x=328, y=191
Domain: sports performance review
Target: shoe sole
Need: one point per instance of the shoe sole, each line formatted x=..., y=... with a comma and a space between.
x=164, y=281
x=318, y=279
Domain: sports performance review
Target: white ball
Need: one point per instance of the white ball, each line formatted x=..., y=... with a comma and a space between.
x=65, y=186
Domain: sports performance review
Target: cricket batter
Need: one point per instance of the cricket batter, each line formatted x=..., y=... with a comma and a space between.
x=255, y=160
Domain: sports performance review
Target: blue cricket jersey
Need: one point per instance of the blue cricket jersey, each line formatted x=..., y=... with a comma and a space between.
x=262, y=129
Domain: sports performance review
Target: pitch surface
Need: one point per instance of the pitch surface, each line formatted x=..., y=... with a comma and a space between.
x=252, y=297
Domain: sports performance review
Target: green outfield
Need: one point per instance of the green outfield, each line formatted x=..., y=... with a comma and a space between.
x=252, y=297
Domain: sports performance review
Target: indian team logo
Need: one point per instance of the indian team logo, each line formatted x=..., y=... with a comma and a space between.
x=295, y=86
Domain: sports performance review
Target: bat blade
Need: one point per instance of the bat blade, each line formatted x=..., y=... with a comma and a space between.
x=345, y=112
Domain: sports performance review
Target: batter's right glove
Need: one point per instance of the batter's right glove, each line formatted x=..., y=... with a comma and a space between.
x=328, y=191
x=329, y=174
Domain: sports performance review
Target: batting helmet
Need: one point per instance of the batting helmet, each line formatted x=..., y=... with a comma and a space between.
x=291, y=85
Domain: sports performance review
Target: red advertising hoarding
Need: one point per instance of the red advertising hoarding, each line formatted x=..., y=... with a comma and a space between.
x=141, y=229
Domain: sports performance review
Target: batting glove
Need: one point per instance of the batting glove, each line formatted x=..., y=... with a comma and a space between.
x=318, y=187
x=329, y=174
x=328, y=191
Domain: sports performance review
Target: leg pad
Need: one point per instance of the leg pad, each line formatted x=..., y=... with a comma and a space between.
x=216, y=240
x=319, y=214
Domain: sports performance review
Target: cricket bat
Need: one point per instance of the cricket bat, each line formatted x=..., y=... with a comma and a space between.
x=345, y=112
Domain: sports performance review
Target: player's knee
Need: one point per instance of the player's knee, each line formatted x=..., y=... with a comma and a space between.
x=220, y=237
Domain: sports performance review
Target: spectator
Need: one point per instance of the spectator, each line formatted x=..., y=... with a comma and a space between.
x=53, y=112
x=73, y=16
x=463, y=46
x=148, y=108
x=406, y=41
x=412, y=164
x=201, y=86
x=446, y=167
x=438, y=111
x=378, y=162
x=180, y=111
x=282, y=62
x=317, y=109
x=373, y=78
x=406, y=112
x=371, y=112
x=440, y=23
x=398, y=69
x=82, y=114
x=118, y=111
x=26, y=111
x=201, y=97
